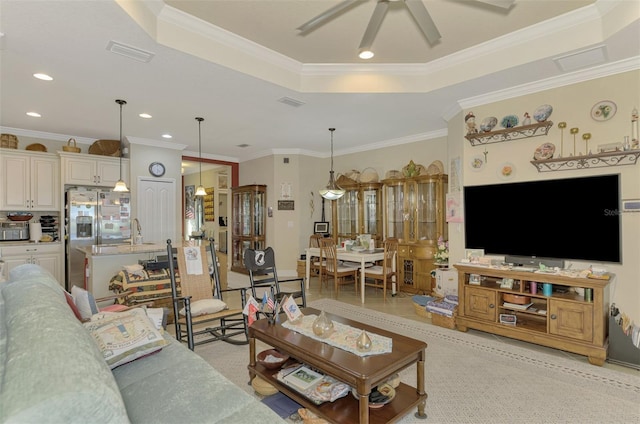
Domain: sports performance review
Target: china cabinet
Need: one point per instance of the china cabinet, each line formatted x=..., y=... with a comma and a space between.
x=30, y=181
x=414, y=213
x=248, y=224
x=93, y=170
x=359, y=211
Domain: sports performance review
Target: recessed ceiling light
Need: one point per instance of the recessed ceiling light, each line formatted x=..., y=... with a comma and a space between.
x=167, y=136
x=34, y=114
x=43, y=77
x=145, y=116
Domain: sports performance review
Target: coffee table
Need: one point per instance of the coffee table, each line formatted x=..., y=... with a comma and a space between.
x=361, y=373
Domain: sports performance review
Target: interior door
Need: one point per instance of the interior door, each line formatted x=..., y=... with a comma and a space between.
x=157, y=209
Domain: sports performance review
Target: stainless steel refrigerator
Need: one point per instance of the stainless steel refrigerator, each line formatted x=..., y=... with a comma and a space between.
x=93, y=217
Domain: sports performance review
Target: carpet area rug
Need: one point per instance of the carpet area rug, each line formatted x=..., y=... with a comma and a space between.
x=471, y=379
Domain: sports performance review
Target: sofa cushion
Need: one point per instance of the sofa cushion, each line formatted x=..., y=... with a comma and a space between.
x=85, y=302
x=125, y=336
x=53, y=371
x=153, y=387
x=72, y=305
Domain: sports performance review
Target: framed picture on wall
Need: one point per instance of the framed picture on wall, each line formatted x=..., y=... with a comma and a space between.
x=223, y=181
x=321, y=227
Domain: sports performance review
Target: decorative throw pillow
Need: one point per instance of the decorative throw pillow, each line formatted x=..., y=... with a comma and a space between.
x=125, y=336
x=85, y=302
x=205, y=306
x=72, y=305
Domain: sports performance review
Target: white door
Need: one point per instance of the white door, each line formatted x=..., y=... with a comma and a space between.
x=157, y=209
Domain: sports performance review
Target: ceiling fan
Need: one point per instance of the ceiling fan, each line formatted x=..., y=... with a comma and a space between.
x=416, y=8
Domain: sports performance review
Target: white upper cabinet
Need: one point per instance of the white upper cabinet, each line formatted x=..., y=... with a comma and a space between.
x=30, y=181
x=89, y=170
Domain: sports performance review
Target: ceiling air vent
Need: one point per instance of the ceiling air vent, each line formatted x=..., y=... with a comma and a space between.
x=130, y=52
x=243, y=145
x=291, y=102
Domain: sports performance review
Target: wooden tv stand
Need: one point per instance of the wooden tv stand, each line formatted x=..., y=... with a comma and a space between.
x=571, y=322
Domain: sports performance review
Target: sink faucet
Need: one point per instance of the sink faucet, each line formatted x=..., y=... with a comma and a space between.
x=138, y=237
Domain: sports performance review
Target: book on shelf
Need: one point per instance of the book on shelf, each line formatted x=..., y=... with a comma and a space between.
x=303, y=378
x=517, y=306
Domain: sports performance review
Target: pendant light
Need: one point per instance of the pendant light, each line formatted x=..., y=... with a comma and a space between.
x=200, y=191
x=120, y=185
x=332, y=191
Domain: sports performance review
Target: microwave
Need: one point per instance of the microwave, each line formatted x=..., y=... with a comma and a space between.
x=14, y=231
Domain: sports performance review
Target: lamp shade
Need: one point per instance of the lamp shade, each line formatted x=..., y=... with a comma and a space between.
x=120, y=186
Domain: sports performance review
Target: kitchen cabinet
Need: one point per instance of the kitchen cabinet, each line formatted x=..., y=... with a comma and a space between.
x=358, y=211
x=30, y=181
x=248, y=225
x=414, y=213
x=93, y=170
x=561, y=319
x=47, y=255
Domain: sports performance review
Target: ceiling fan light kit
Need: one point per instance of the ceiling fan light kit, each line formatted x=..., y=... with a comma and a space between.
x=416, y=8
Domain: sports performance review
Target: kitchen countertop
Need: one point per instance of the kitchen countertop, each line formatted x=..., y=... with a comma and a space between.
x=121, y=249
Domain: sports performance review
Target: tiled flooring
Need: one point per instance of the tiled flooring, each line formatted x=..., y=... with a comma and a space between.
x=402, y=305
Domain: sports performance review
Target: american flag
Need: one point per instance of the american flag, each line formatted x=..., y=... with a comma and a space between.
x=270, y=303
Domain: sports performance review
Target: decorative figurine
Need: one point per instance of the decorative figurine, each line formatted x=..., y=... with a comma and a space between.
x=364, y=342
x=526, y=120
x=509, y=121
x=470, y=121
x=586, y=137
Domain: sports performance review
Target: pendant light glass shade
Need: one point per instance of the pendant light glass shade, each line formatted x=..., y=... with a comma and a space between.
x=121, y=186
x=332, y=191
x=200, y=191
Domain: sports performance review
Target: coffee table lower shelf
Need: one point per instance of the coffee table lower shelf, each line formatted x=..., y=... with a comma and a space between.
x=346, y=409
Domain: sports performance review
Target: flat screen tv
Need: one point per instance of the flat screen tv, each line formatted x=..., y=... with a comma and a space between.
x=570, y=218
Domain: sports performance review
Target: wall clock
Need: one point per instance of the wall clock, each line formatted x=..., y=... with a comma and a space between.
x=157, y=169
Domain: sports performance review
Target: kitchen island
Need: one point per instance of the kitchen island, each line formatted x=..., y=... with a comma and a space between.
x=102, y=262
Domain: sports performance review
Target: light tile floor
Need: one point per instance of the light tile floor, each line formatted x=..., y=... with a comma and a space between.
x=402, y=305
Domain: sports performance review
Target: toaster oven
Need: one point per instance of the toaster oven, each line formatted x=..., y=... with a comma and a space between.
x=14, y=231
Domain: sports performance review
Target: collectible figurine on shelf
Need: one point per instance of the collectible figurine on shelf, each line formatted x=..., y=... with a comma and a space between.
x=470, y=121
x=526, y=120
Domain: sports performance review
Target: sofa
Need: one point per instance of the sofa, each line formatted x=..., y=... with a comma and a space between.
x=52, y=371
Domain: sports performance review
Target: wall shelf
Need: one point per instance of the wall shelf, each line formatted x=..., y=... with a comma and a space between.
x=509, y=134
x=597, y=160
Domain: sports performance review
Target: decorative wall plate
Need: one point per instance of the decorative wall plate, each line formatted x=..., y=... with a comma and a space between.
x=603, y=110
x=545, y=151
x=542, y=113
x=506, y=171
x=477, y=163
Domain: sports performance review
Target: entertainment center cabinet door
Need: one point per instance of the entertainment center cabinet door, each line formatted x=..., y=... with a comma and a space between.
x=481, y=303
x=571, y=319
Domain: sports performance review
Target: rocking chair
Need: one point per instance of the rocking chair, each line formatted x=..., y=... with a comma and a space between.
x=201, y=303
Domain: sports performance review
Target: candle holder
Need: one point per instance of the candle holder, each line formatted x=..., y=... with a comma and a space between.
x=562, y=126
x=574, y=131
x=586, y=137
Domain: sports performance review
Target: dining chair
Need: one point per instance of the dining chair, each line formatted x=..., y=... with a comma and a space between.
x=315, y=263
x=341, y=274
x=379, y=276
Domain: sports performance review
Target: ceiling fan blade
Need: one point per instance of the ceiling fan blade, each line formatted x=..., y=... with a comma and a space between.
x=423, y=19
x=325, y=16
x=505, y=4
x=374, y=24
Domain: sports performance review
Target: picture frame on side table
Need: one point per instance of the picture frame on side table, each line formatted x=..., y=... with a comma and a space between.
x=474, y=279
x=320, y=227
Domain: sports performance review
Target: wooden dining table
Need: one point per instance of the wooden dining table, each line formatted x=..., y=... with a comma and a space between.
x=363, y=257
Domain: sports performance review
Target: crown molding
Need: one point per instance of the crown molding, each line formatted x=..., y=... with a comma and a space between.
x=571, y=78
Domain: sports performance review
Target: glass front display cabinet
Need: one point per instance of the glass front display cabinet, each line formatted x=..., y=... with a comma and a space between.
x=359, y=211
x=248, y=222
x=414, y=213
